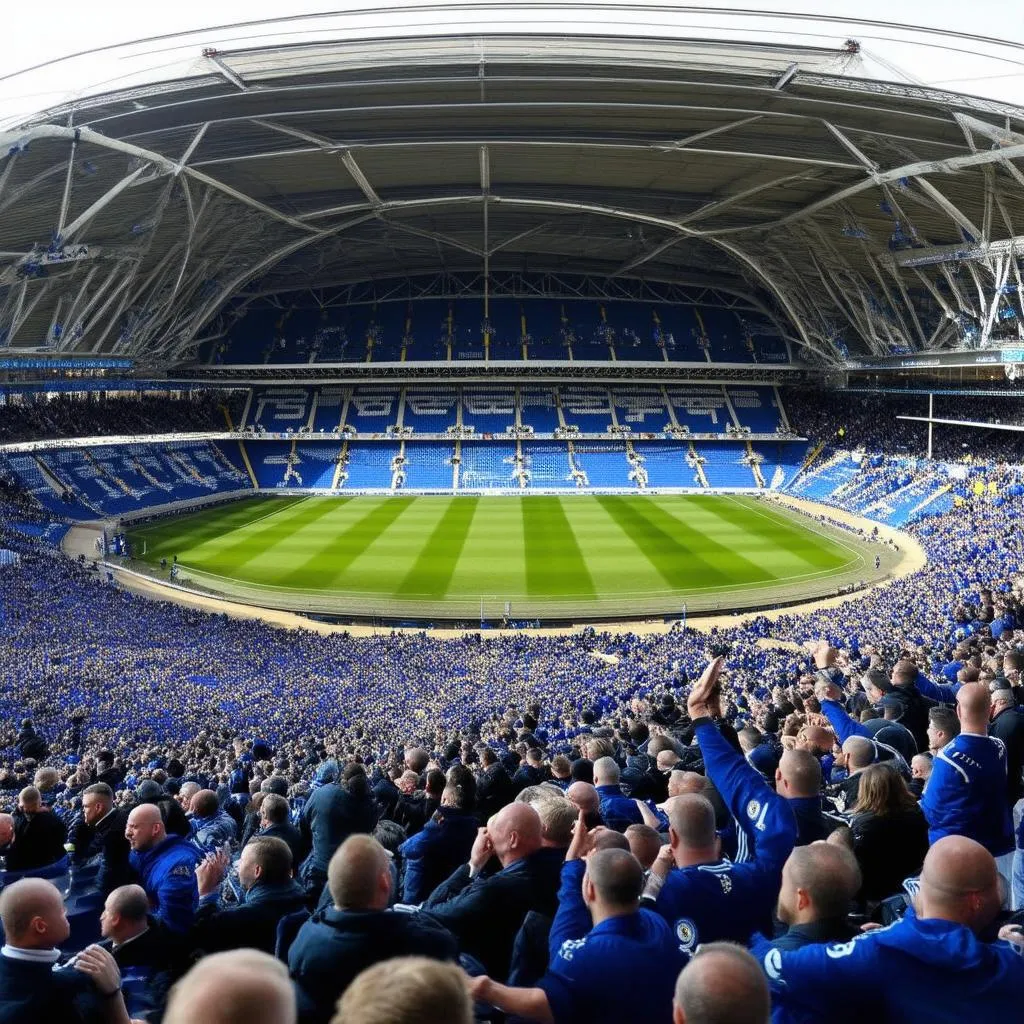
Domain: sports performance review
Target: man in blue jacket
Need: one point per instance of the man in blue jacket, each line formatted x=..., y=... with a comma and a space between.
x=617, y=810
x=932, y=964
x=166, y=866
x=704, y=897
x=967, y=792
x=439, y=847
x=609, y=960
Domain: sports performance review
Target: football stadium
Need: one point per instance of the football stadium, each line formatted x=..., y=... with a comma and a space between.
x=512, y=512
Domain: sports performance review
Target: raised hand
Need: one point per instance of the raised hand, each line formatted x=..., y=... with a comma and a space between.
x=705, y=697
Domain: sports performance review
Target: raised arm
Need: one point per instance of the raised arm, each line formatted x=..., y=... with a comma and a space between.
x=764, y=816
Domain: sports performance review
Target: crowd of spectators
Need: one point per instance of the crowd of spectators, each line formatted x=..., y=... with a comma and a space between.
x=809, y=817
x=148, y=413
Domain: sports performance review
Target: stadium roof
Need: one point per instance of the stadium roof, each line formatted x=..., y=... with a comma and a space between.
x=871, y=216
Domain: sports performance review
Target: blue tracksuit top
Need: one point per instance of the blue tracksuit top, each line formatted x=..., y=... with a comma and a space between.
x=726, y=900
x=966, y=794
x=932, y=970
x=625, y=968
x=617, y=810
x=168, y=874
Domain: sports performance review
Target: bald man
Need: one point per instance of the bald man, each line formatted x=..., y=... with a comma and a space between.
x=798, y=781
x=35, y=923
x=703, y=896
x=967, y=791
x=722, y=984
x=611, y=961
x=818, y=883
x=39, y=834
x=617, y=810
x=933, y=965
x=584, y=797
x=357, y=930
x=244, y=986
x=485, y=909
x=166, y=866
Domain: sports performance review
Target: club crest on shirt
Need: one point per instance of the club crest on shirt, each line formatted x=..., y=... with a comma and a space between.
x=753, y=809
x=686, y=933
x=569, y=947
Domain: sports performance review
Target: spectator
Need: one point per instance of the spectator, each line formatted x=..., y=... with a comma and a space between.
x=38, y=834
x=819, y=882
x=703, y=896
x=165, y=865
x=357, y=930
x=265, y=876
x=101, y=832
x=494, y=787
x=331, y=814
x=406, y=990
x=617, y=811
x=134, y=938
x=798, y=780
x=484, y=908
x=445, y=842
x=212, y=827
x=243, y=986
x=1008, y=725
x=934, y=951
x=889, y=832
x=721, y=985
x=610, y=960
x=31, y=988
x=275, y=824
x=645, y=844
x=966, y=794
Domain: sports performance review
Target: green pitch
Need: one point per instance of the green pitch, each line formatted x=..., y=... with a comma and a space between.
x=615, y=554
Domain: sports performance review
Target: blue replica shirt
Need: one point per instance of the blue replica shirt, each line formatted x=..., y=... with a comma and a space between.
x=944, y=693
x=168, y=874
x=966, y=794
x=617, y=810
x=933, y=970
x=727, y=900
x=624, y=968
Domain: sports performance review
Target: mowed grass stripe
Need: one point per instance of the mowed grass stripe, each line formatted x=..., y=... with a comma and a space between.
x=166, y=538
x=798, y=541
x=323, y=566
x=554, y=562
x=431, y=574
x=680, y=565
x=729, y=562
x=249, y=543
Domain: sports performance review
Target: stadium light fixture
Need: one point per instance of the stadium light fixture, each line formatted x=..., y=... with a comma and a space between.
x=958, y=253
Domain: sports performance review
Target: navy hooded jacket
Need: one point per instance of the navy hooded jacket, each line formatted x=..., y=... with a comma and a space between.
x=914, y=970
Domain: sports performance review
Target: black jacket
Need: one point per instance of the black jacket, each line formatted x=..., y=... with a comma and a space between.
x=889, y=849
x=336, y=945
x=287, y=833
x=1008, y=726
x=251, y=924
x=38, y=841
x=34, y=993
x=330, y=816
x=485, y=913
x=829, y=930
x=915, y=712
x=106, y=839
x=494, y=790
